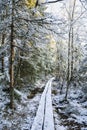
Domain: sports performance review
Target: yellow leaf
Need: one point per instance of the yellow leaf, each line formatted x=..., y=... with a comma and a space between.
x=30, y=3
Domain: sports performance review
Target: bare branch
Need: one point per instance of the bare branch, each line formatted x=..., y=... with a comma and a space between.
x=48, y=2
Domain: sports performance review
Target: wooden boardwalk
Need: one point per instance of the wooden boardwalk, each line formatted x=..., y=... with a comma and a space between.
x=44, y=116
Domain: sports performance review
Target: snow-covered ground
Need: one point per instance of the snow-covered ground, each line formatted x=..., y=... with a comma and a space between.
x=23, y=115
x=71, y=115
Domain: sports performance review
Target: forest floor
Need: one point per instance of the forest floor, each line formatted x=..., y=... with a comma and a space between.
x=71, y=115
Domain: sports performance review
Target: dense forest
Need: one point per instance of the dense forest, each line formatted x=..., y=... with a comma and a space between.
x=43, y=49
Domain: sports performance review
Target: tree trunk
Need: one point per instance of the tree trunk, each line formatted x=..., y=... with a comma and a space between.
x=3, y=38
x=12, y=61
x=19, y=64
x=72, y=31
x=68, y=69
x=2, y=43
x=72, y=48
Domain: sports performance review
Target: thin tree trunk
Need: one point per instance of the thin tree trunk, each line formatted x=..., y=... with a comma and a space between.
x=12, y=61
x=19, y=64
x=72, y=38
x=3, y=38
x=72, y=48
x=2, y=43
x=68, y=71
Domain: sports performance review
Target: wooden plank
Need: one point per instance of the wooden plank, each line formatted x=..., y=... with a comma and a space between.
x=44, y=116
x=49, y=122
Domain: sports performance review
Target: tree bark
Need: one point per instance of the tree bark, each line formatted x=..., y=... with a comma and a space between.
x=3, y=38
x=12, y=61
x=72, y=49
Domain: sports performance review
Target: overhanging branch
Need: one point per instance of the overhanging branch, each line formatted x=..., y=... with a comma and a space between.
x=48, y=2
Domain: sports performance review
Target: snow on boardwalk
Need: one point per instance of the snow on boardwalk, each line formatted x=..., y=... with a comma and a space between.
x=44, y=117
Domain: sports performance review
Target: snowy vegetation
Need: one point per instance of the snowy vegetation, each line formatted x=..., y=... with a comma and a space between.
x=39, y=40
